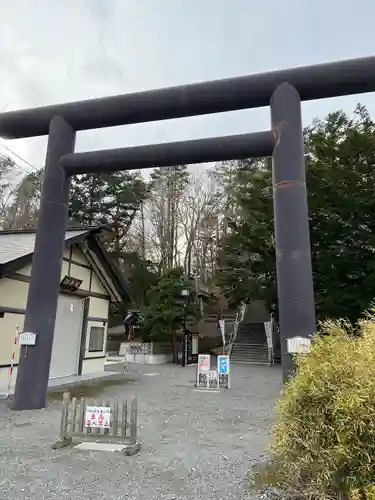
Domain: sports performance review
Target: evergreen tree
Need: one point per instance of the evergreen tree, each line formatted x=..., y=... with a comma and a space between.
x=167, y=310
x=111, y=199
x=340, y=182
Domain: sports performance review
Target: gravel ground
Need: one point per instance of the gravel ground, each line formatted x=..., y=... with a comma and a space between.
x=195, y=445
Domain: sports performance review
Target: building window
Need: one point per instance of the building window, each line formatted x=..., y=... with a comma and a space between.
x=96, y=342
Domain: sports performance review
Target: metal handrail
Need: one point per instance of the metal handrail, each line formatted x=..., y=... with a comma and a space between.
x=239, y=317
x=270, y=340
x=232, y=334
x=235, y=327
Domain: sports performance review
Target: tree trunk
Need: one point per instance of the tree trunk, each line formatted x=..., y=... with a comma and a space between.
x=143, y=235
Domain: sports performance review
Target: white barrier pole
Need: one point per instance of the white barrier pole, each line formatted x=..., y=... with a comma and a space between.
x=15, y=341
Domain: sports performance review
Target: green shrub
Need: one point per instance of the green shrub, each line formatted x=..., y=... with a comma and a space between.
x=324, y=443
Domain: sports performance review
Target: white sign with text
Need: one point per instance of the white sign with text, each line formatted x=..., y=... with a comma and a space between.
x=298, y=345
x=98, y=417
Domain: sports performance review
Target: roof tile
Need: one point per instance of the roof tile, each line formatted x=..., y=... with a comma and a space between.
x=16, y=245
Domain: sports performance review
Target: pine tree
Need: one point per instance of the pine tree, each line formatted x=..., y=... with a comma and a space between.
x=112, y=199
x=340, y=183
x=167, y=309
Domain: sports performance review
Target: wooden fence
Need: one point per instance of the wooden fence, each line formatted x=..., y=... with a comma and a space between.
x=122, y=424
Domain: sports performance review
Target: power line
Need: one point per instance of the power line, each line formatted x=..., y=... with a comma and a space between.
x=16, y=166
x=6, y=158
x=36, y=169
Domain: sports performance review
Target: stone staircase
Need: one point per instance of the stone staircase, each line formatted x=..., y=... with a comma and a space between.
x=250, y=345
x=208, y=324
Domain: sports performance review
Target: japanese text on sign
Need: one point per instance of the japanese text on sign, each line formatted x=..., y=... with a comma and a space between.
x=298, y=345
x=223, y=365
x=27, y=338
x=98, y=417
x=204, y=362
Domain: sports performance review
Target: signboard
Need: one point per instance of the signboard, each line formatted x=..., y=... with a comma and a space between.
x=187, y=346
x=204, y=363
x=27, y=338
x=98, y=417
x=222, y=329
x=194, y=345
x=223, y=365
x=242, y=312
x=298, y=345
x=212, y=379
x=70, y=284
x=222, y=326
x=203, y=369
x=209, y=378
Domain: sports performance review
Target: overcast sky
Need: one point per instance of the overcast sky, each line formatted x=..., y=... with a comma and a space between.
x=59, y=51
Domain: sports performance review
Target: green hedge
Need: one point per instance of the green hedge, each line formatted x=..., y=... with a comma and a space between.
x=324, y=443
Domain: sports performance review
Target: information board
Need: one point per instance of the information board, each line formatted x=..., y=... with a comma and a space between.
x=213, y=378
x=98, y=417
x=27, y=338
x=298, y=345
x=204, y=363
x=222, y=329
x=223, y=364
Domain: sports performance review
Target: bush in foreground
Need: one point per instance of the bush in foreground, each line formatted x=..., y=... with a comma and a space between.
x=325, y=435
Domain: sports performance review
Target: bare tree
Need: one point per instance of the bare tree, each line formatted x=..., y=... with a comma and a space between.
x=198, y=202
x=201, y=219
x=23, y=202
x=181, y=223
x=161, y=223
x=6, y=170
x=19, y=199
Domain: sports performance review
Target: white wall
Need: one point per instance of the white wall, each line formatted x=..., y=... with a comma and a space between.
x=13, y=294
x=93, y=365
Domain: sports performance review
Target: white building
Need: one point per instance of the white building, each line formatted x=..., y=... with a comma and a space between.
x=89, y=282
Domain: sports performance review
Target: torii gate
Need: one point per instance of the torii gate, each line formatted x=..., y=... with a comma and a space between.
x=282, y=90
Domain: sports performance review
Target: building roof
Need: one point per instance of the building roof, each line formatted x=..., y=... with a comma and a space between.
x=17, y=248
x=18, y=243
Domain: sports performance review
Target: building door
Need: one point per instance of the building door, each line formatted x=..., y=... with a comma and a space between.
x=67, y=337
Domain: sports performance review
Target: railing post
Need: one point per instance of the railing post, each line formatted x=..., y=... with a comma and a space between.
x=64, y=415
x=114, y=411
x=72, y=428
x=124, y=419
x=133, y=420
